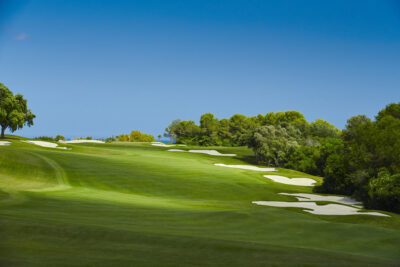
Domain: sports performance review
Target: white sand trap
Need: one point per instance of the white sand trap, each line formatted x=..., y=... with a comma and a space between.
x=314, y=197
x=312, y=207
x=161, y=144
x=246, y=167
x=291, y=181
x=165, y=145
x=211, y=152
x=5, y=143
x=45, y=144
x=81, y=141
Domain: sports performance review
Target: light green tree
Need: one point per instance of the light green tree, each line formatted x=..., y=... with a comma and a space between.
x=273, y=144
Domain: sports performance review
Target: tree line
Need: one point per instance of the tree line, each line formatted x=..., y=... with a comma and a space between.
x=362, y=161
x=238, y=129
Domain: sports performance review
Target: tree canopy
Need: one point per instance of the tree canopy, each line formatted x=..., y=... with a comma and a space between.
x=362, y=161
x=368, y=164
x=14, y=112
x=236, y=130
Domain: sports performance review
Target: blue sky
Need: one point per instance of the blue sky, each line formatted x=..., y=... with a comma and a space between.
x=102, y=68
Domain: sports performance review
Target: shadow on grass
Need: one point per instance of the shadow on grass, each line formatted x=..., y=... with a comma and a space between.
x=248, y=159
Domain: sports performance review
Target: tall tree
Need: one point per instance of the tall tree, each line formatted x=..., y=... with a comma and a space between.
x=170, y=131
x=14, y=112
x=209, y=129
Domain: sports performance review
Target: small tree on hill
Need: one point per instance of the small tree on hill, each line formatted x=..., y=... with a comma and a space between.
x=159, y=137
x=60, y=137
x=14, y=112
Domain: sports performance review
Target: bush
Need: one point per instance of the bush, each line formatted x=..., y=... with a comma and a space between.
x=136, y=136
x=272, y=145
x=60, y=137
x=45, y=138
x=384, y=192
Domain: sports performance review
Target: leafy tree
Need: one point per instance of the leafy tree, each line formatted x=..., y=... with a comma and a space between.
x=159, y=137
x=392, y=109
x=123, y=138
x=171, y=129
x=305, y=159
x=187, y=132
x=14, y=112
x=384, y=191
x=209, y=129
x=137, y=136
x=238, y=129
x=241, y=128
x=386, y=145
x=224, y=134
x=321, y=128
x=60, y=137
x=272, y=144
x=368, y=164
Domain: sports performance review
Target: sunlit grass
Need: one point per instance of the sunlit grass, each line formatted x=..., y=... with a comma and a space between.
x=136, y=204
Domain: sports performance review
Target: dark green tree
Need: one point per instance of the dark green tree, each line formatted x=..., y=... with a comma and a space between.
x=170, y=131
x=14, y=112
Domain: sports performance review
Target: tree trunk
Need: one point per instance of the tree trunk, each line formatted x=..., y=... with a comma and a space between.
x=3, y=129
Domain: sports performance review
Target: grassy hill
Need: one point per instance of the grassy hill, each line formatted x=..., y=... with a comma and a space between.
x=139, y=205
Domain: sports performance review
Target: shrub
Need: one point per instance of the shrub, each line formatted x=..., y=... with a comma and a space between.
x=384, y=191
x=45, y=138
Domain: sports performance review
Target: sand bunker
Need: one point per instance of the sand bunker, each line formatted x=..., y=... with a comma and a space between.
x=209, y=152
x=162, y=144
x=5, y=143
x=246, y=167
x=291, y=181
x=312, y=207
x=314, y=197
x=165, y=145
x=81, y=141
x=212, y=152
x=45, y=144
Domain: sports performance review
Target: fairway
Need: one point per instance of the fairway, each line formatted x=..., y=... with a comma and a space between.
x=134, y=204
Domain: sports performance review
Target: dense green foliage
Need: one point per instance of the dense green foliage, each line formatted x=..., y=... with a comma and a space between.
x=50, y=139
x=237, y=130
x=363, y=160
x=14, y=112
x=133, y=204
x=367, y=165
x=136, y=136
x=273, y=144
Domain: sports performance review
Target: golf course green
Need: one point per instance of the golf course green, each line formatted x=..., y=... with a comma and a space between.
x=134, y=204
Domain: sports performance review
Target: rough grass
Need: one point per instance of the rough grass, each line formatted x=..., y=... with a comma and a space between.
x=138, y=205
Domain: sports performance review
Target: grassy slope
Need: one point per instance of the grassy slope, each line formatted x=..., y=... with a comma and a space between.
x=134, y=204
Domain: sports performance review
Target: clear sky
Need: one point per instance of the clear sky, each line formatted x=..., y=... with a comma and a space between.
x=102, y=68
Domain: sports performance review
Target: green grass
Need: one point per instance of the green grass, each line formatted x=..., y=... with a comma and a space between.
x=138, y=205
